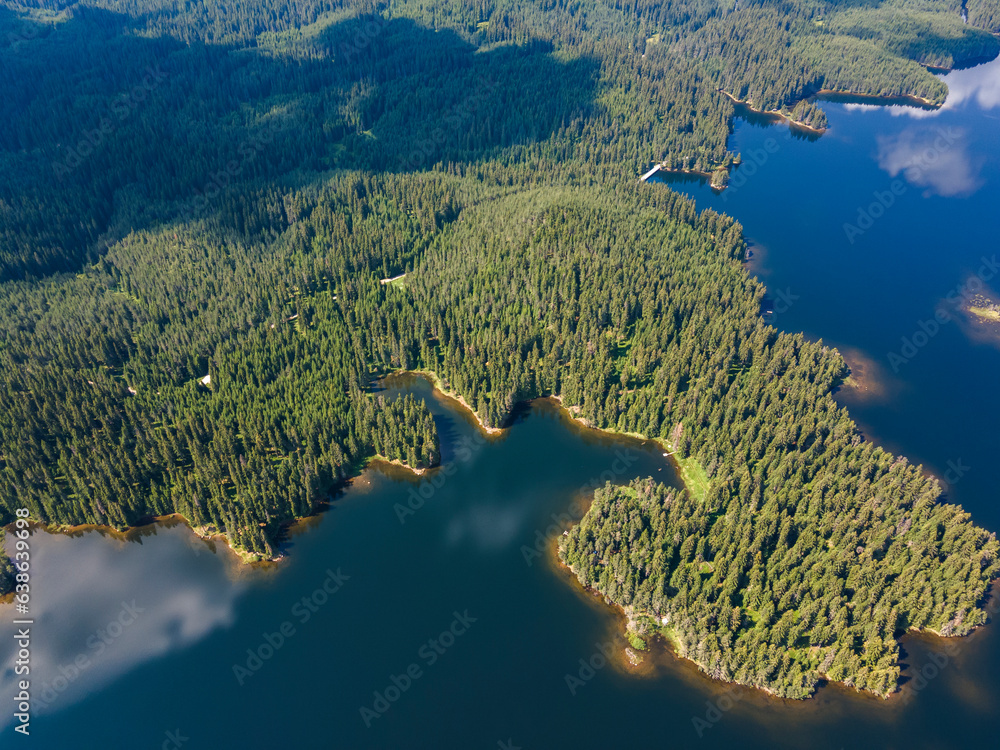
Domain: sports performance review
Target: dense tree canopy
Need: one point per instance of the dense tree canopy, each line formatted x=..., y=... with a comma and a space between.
x=779, y=596
x=203, y=205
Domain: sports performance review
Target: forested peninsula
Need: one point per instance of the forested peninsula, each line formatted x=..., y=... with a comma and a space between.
x=201, y=202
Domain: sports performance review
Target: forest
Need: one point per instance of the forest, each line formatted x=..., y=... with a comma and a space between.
x=202, y=203
x=760, y=594
x=7, y=572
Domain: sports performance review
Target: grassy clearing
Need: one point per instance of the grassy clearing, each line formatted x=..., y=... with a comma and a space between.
x=694, y=477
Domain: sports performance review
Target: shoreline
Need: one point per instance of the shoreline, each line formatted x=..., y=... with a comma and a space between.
x=823, y=94
x=619, y=619
x=440, y=387
x=662, y=638
x=210, y=534
x=692, y=172
x=380, y=459
x=683, y=467
x=680, y=470
x=777, y=113
x=205, y=532
x=645, y=665
x=888, y=100
x=643, y=668
x=679, y=172
x=778, y=116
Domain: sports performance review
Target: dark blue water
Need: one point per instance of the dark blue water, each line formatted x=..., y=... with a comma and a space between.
x=401, y=620
x=861, y=236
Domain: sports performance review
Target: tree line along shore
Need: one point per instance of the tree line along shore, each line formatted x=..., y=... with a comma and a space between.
x=195, y=226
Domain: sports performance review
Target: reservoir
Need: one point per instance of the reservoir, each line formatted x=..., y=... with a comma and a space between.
x=426, y=612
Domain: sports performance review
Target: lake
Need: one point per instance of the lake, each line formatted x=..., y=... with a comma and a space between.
x=427, y=612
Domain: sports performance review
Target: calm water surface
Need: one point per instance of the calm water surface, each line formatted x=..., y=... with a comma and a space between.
x=136, y=639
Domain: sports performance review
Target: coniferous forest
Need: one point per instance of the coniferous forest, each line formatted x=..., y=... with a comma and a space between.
x=205, y=208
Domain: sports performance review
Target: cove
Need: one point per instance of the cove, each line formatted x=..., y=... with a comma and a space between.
x=228, y=655
x=438, y=624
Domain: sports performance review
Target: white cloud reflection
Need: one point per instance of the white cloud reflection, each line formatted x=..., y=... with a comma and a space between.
x=933, y=158
x=102, y=607
x=490, y=527
x=980, y=85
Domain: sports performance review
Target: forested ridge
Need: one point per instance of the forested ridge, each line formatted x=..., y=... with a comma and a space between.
x=118, y=113
x=201, y=203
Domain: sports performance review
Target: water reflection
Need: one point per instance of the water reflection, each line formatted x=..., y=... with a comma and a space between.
x=941, y=158
x=934, y=158
x=102, y=606
x=767, y=119
x=490, y=527
x=980, y=85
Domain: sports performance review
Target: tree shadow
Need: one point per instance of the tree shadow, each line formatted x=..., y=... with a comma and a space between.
x=109, y=132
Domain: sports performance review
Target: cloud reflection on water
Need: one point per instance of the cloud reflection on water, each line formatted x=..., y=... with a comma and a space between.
x=948, y=167
x=490, y=527
x=931, y=158
x=980, y=85
x=102, y=607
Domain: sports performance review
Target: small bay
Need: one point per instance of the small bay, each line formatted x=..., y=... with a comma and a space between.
x=433, y=602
